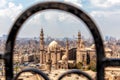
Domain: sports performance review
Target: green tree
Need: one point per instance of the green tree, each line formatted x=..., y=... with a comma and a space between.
x=92, y=65
x=79, y=65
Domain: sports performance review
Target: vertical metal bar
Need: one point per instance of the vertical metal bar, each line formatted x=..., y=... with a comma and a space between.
x=8, y=59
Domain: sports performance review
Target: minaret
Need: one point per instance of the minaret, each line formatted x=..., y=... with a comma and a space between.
x=79, y=39
x=56, y=64
x=41, y=47
x=67, y=53
x=67, y=48
x=78, y=55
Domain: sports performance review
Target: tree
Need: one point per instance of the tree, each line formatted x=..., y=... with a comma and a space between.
x=93, y=65
x=79, y=65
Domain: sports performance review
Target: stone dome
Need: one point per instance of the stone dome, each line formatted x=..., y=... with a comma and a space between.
x=64, y=58
x=53, y=46
x=93, y=46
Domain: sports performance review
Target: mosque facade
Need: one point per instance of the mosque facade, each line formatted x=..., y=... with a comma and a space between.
x=57, y=57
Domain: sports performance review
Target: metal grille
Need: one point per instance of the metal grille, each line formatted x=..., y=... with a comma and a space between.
x=102, y=61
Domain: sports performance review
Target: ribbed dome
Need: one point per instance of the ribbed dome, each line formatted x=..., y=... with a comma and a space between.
x=53, y=45
x=64, y=57
x=93, y=46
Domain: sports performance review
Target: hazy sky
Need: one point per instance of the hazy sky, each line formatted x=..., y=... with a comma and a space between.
x=106, y=14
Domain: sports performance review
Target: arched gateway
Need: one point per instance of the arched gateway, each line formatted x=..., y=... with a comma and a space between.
x=102, y=61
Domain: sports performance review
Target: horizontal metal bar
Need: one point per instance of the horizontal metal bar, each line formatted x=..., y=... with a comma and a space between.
x=75, y=71
x=111, y=62
x=32, y=70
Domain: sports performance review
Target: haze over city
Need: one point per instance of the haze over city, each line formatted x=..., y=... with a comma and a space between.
x=106, y=14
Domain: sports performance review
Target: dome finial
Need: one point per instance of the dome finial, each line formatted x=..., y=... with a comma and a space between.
x=79, y=34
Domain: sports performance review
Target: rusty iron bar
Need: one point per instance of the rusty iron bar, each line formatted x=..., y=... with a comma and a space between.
x=111, y=62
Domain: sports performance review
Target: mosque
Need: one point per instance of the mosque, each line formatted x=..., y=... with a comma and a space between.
x=57, y=57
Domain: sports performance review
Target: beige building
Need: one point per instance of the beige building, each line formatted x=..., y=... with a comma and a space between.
x=56, y=56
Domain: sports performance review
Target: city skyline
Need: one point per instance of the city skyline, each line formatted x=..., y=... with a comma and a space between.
x=55, y=42
x=106, y=14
